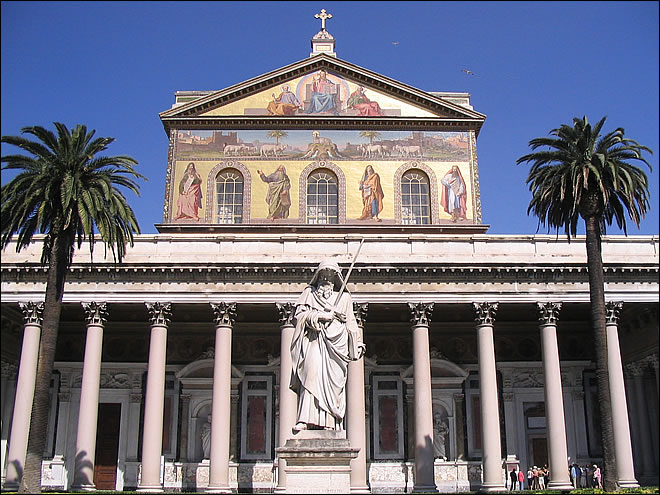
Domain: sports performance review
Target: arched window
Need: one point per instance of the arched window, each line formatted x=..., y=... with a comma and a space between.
x=415, y=200
x=229, y=196
x=322, y=198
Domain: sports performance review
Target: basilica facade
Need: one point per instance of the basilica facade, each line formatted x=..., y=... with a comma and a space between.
x=173, y=368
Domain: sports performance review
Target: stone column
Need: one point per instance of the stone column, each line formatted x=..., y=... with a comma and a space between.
x=356, y=412
x=647, y=454
x=459, y=408
x=185, y=424
x=548, y=313
x=580, y=424
x=288, y=398
x=653, y=361
x=89, y=398
x=27, y=375
x=9, y=395
x=225, y=315
x=420, y=314
x=152, y=439
x=510, y=427
x=625, y=469
x=490, y=412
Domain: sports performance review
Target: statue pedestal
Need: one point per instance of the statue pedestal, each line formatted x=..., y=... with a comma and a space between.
x=318, y=461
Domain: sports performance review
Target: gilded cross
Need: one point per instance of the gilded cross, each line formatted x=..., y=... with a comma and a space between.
x=323, y=16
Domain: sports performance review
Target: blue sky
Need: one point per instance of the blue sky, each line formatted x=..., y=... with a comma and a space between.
x=114, y=66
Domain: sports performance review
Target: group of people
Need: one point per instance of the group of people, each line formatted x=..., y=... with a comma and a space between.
x=587, y=476
x=538, y=477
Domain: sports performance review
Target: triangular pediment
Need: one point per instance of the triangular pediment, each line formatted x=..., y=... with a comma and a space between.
x=337, y=96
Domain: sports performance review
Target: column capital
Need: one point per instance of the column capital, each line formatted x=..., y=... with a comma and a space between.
x=159, y=313
x=459, y=397
x=9, y=370
x=613, y=310
x=360, y=310
x=224, y=313
x=287, y=312
x=634, y=369
x=653, y=361
x=507, y=397
x=485, y=312
x=548, y=312
x=420, y=313
x=32, y=312
x=95, y=313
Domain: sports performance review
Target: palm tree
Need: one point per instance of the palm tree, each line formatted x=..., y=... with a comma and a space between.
x=580, y=173
x=277, y=135
x=66, y=192
x=370, y=135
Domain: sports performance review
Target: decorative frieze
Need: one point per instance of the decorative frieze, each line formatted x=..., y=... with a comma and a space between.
x=360, y=310
x=95, y=313
x=420, y=313
x=32, y=312
x=159, y=313
x=613, y=309
x=548, y=312
x=286, y=313
x=485, y=312
x=224, y=313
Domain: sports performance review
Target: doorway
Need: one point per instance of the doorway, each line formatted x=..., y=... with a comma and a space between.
x=107, y=446
x=539, y=451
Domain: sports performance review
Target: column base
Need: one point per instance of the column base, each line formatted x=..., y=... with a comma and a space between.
x=492, y=488
x=89, y=487
x=10, y=486
x=360, y=489
x=425, y=489
x=560, y=485
x=150, y=489
x=218, y=489
x=628, y=483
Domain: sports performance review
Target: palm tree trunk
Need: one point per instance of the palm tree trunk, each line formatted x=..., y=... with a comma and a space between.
x=597, y=298
x=57, y=268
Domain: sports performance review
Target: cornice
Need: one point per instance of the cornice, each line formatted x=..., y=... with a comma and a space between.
x=403, y=273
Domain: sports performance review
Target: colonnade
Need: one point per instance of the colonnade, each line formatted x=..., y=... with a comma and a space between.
x=224, y=317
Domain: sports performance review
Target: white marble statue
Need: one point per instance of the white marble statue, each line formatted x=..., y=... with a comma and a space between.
x=326, y=338
x=440, y=430
x=205, y=436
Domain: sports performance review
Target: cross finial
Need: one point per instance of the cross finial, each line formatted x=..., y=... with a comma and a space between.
x=323, y=16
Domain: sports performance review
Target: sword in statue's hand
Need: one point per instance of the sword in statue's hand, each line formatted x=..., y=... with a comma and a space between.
x=341, y=317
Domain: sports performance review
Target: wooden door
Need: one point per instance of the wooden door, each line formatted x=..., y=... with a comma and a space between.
x=107, y=446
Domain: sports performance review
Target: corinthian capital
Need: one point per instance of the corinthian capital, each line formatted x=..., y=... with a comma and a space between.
x=159, y=313
x=613, y=309
x=420, y=313
x=485, y=312
x=224, y=313
x=360, y=310
x=96, y=313
x=32, y=312
x=548, y=312
x=286, y=311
